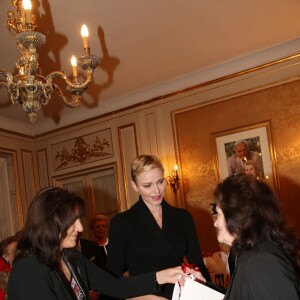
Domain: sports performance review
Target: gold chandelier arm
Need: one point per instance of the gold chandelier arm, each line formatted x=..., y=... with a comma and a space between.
x=76, y=85
x=9, y=77
x=75, y=98
x=2, y=83
x=13, y=92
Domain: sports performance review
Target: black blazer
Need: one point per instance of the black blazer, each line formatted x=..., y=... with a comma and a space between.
x=138, y=245
x=263, y=273
x=31, y=280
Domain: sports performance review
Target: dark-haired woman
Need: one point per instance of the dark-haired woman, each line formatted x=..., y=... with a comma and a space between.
x=267, y=253
x=47, y=265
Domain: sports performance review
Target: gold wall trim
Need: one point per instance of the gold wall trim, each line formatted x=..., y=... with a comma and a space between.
x=85, y=171
x=152, y=134
x=123, y=155
x=235, y=95
x=40, y=162
x=21, y=135
x=28, y=182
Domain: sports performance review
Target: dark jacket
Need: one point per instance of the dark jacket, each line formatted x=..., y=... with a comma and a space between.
x=138, y=245
x=31, y=280
x=263, y=273
x=93, y=252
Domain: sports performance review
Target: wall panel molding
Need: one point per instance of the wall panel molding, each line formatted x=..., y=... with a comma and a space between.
x=28, y=175
x=128, y=152
x=152, y=134
x=43, y=168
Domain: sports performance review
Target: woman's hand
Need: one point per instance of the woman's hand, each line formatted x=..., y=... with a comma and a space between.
x=172, y=275
x=195, y=275
x=169, y=275
x=93, y=295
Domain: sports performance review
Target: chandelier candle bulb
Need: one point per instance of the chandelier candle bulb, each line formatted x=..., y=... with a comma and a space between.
x=85, y=34
x=28, y=14
x=74, y=65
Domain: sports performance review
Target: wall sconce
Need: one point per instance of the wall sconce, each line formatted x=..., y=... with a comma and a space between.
x=173, y=180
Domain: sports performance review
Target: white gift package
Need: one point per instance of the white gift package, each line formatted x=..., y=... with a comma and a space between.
x=193, y=290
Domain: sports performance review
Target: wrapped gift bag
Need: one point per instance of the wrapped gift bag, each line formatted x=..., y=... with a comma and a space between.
x=193, y=290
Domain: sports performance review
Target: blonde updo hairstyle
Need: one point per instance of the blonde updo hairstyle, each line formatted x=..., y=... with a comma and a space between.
x=145, y=163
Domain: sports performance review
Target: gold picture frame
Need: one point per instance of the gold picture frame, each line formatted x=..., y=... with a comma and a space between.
x=259, y=136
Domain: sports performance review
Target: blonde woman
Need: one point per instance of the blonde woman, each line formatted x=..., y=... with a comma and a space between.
x=152, y=234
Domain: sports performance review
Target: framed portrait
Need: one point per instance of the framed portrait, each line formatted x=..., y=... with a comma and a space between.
x=238, y=148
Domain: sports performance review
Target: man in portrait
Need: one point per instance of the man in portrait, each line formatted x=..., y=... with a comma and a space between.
x=236, y=162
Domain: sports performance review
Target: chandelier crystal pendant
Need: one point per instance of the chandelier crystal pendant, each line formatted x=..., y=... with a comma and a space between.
x=30, y=89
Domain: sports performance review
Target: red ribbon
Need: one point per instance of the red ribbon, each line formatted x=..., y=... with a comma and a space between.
x=190, y=266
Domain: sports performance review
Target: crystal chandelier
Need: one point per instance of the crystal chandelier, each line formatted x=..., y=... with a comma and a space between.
x=29, y=88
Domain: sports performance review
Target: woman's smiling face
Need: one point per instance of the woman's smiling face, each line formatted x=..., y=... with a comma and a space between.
x=151, y=185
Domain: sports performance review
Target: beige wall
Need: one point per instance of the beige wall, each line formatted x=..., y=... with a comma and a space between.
x=280, y=105
x=178, y=128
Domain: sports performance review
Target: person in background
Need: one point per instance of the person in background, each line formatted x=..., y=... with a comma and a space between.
x=152, y=234
x=49, y=266
x=8, y=248
x=99, y=226
x=91, y=251
x=96, y=250
x=266, y=250
x=236, y=162
x=7, y=254
x=3, y=283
